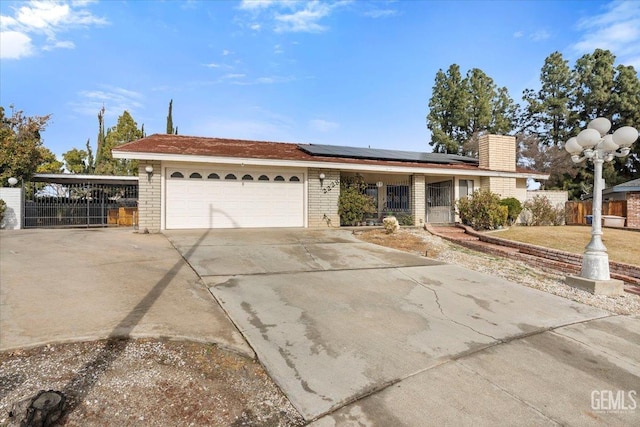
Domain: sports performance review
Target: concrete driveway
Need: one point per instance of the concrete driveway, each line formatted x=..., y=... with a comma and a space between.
x=357, y=334
x=72, y=285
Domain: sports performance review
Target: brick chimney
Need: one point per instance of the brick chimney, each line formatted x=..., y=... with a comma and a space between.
x=497, y=152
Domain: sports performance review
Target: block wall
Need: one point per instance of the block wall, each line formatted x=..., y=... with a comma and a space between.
x=323, y=198
x=417, y=197
x=497, y=152
x=149, y=197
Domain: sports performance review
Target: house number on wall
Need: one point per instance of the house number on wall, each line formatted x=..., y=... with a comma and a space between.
x=330, y=186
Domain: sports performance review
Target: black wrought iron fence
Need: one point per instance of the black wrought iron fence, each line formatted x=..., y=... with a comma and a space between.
x=50, y=205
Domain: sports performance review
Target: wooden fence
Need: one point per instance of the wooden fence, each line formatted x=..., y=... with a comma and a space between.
x=576, y=212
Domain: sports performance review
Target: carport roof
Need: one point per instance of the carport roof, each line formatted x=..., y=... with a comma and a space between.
x=180, y=145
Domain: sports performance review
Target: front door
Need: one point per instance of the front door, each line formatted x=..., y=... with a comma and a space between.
x=440, y=202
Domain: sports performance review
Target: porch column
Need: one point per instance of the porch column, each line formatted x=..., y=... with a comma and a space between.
x=149, y=197
x=323, y=197
x=417, y=197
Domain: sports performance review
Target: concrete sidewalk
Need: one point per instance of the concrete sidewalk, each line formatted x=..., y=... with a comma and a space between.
x=72, y=285
x=356, y=334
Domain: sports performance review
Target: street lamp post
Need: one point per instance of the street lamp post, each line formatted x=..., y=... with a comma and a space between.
x=597, y=145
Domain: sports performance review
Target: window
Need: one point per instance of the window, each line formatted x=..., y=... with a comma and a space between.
x=247, y=178
x=195, y=175
x=213, y=176
x=230, y=176
x=263, y=178
x=465, y=188
x=294, y=179
x=397, y=198
x=177, y=175
x=278, y=178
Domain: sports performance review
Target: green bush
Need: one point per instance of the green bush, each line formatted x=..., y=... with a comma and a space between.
x=3, y=207
x=514, y=208
x=482, y=210
x=540, y=211
x=353, y=203
x=405, y=219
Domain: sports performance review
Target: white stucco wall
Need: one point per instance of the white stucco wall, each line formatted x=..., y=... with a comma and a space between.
x=13, y=215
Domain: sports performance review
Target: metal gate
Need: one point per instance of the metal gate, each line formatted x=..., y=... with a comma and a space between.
x=78, y=204
x=440, y=202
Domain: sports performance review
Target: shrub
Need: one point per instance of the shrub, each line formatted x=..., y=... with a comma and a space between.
x=3, y=207
x=405, y=219
x=482, y=210
x=540, y=211
x=391, y=224
x=353, y=203
x=514, y=208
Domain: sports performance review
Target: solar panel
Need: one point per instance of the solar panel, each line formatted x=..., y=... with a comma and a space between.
x=382, y=154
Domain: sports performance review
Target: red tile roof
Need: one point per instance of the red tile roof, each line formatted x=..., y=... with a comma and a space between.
x=222, y=147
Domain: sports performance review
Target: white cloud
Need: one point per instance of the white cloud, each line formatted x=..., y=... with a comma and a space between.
x=40, y=22
x=233, y=76
x=15, y=45
x=60, y=45
x=323, y=125
x=616, y=29
x=381, y=13
x=303, y=20
x=293, y=16
x=267, y=125
x=225, y=52
x=114, y=99
x=255, y=4
x=266, y=80
x=540, y=35
x=518, y=34
x=212, y=65
x=277, y=49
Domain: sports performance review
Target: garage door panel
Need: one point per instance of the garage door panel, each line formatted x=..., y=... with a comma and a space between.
x=195, y=203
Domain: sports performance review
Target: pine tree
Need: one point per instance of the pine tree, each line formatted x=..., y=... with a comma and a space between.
x=170, y=129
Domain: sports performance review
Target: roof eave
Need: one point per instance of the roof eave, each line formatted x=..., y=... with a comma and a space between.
x=362, y=167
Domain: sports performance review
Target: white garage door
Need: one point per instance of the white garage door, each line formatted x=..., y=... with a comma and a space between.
x=230, y=199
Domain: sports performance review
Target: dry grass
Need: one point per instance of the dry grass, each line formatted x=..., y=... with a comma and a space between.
x=402, y=240
x=622, y=245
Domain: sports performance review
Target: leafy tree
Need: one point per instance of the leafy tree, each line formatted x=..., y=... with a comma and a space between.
x=126, y=130
x=49, y=162
x=76, y=160
x=21, y=149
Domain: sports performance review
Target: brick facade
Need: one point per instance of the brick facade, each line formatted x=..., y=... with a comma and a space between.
x=149, y=197
x=323, y=198
x=633, y=210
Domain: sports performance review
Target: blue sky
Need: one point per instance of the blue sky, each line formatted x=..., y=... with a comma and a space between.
x=329, y=72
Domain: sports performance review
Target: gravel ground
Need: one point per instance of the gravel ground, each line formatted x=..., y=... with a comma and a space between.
x=146, y=383
x=172, y=383
x=421, y=242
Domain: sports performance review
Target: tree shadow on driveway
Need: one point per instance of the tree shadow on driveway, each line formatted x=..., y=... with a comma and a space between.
x=86, y=378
